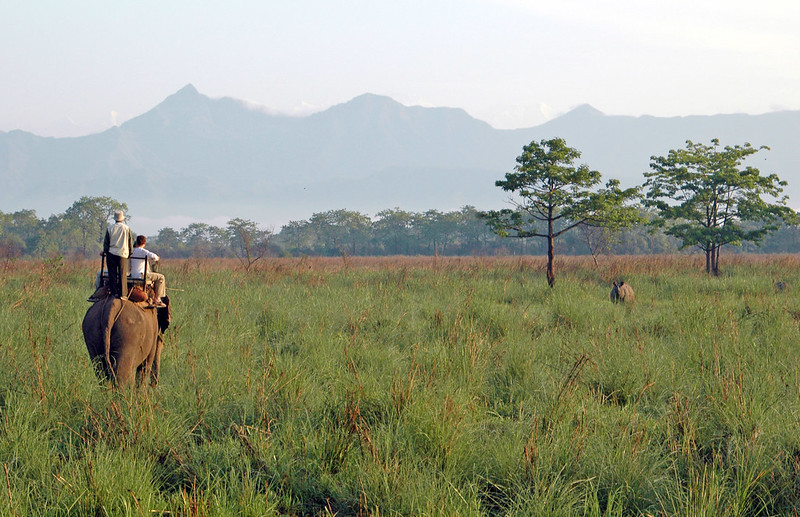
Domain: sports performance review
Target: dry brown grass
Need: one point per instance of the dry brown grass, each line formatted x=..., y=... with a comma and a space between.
x=610, y=267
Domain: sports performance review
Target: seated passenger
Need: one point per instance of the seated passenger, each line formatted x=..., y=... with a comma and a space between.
x=138, y=255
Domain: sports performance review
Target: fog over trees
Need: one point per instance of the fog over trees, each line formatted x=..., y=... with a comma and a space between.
x=703, y=197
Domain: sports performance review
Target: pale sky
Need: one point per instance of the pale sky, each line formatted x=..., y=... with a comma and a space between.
x=70, y=68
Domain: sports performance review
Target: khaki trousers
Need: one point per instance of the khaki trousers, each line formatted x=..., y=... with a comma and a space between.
x=159, y=283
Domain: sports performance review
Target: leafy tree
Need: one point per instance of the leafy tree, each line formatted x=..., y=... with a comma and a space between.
x=169, y=243
x=437, y=229
x=27, y=226
x=296, y=237
x=55, y=238
x=704, y=194
x=204, y=240
x=88, y=218
x=354, y=229
x=473, y=233
x=642, y=239
x=11, y=248
x=555, y=196
x=249, y=242
x=784, y=240
x=394, y=229
x=330, y=231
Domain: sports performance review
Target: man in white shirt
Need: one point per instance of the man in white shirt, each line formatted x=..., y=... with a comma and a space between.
x=116, y=248
x=138, y=256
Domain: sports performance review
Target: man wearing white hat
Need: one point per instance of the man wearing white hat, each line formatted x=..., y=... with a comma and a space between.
x=117, y=247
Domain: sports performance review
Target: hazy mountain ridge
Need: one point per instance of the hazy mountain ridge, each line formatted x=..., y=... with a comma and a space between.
x=202, y=157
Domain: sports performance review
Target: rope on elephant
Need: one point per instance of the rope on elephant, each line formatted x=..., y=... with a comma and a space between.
x=119, y=313
x=116, y=317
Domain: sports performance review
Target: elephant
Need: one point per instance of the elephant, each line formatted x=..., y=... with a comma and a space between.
x=622, y=292
x=125, y=339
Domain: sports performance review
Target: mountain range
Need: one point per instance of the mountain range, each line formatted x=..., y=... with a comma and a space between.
x=196, y=158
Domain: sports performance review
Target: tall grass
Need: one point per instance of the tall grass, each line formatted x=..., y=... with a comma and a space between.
x=413, y=387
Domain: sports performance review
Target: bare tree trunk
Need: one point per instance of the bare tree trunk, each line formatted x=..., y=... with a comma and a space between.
x=551, y=276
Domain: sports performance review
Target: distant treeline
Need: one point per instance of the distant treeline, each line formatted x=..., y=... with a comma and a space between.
x=78, y=232
x=464, y=232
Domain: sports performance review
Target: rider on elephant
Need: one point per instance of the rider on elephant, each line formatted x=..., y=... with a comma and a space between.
x=138, y=257
x=117, y=246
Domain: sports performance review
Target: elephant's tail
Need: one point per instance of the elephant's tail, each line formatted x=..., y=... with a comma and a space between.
x=109, y=318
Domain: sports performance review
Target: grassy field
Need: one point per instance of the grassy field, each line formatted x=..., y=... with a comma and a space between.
x=413, y=387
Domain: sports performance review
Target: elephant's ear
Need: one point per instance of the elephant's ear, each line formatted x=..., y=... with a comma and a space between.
x=164, y=314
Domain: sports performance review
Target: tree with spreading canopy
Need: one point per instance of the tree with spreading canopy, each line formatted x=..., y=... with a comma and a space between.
x=205, y=240
x=555, y=196
x=249, y=242
x=703, y=194
x=394, y=228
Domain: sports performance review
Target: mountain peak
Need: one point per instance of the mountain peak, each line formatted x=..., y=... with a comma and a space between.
x=362, y=108
x=372, y=100
x=586, y=110
x=185, y=100
x=188, y=90
x=186, y=95
x=373, y=105
x=187, y=104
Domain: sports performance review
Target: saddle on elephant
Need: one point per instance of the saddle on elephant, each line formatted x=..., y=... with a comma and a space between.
x=141, y=294
x=144, y=299
x=135, y=293
x=142, y=286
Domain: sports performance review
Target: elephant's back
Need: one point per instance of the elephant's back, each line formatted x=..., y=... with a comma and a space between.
x=131, y=324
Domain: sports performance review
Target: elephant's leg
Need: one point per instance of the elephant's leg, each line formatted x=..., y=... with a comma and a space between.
x=101, y=368
x=142, y=373
x=156, y=366
x=94, y=345
x=148, y=369
x=125, y=370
